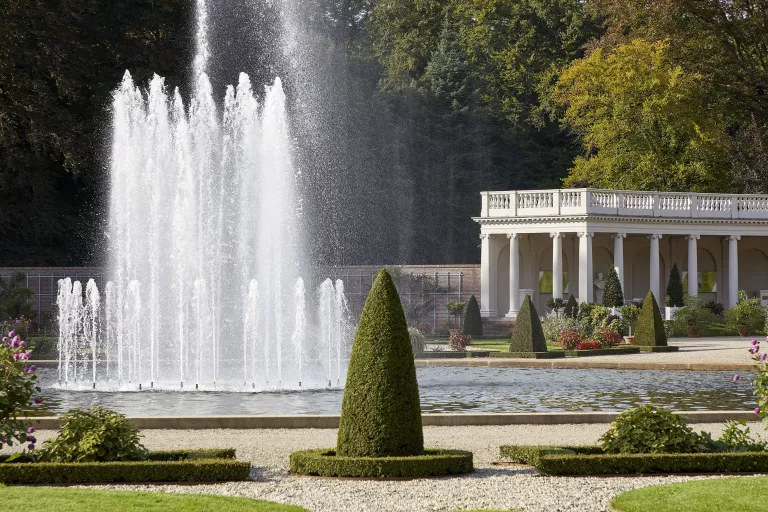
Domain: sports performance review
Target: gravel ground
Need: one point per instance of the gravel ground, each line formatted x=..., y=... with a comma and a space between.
x=490, y=487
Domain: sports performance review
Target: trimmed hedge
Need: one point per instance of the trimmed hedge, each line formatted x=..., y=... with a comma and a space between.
x=649, y=331
x=591, y=460
x=665, y=348
x=603, y=352
x=325, y=462
x=176, y=455
x=613, y=296
x=381, y=412
x=571, y=308
x=527, y=335
x=553, y=354
x=473, y=323
x=190, y=470
x=675, y=288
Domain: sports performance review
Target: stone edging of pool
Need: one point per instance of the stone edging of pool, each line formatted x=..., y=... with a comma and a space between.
x=443, y=420
x=581, y=364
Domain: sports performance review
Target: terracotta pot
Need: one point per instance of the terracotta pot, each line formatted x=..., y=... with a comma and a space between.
x=693, y=332
x=743, y=331
x=629, y=339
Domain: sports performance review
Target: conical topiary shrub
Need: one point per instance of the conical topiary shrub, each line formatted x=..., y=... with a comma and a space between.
x=380, y=413
x=571, y=308
x=527, y=335
x=649, y=331
x=473, y=323
x=675, y=288
x=613, y=296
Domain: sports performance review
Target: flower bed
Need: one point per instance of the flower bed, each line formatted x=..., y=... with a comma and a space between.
x=659, y=349
x=162, y=466
x=551, y=354
x=572, y=460
x=603, y=352
x=325, y=462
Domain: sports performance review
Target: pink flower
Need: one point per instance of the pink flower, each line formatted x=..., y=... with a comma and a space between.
x=736, y=377
x=757, y=410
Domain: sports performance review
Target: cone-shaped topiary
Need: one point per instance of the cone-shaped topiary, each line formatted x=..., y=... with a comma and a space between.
x=613, y=297
x=649, y=331
x=473, y=324
x=527, y=335
x=380, y=413
x=571, y=308
x=675, y=288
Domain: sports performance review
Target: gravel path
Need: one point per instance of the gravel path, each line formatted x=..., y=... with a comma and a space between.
x=494, y=487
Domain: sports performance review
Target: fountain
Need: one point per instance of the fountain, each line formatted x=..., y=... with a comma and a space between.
x=205, y=251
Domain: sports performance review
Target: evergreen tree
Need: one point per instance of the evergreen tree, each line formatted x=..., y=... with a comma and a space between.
x=380, y=413
x=528, y=335
x=650, y=327
x=571, y=308
x=473, y=323
x=675, y=288
x=613, y=296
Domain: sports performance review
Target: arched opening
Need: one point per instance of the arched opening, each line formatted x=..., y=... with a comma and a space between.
x=641, y=275
x=753, y=271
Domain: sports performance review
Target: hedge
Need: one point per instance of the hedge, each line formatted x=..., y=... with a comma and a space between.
x=665, y=348
x=473, y=322
x=527, y=334
x=380, y=411
x=190, y=470
x=553, y=354
x=176, y=455
x=649, y=330
x=325, y=462
x=568, y=460
x=603, y=352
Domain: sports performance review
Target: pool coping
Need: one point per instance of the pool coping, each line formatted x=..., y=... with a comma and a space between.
x=330, y=421
x=578, y=363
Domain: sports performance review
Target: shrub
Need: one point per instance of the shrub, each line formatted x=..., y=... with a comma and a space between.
x=459, y=342
x=456, y=309
x=737, y=438
x=553, y=325
x=716, y=308
x=589, y=345
x=613, y=296
x=675, y=288
x=606, y=337
x=380, y=412
x=95, y=435
x=15, y=297
x=418, y=341
x=650, y=326
x=569, y=339
x=556, y=304
x=747, y=314
x=527, y=335
x=22, y=326
x=571, y=308
x=629, y=313
x=18, y=390
x=648, y=429
x=760, y=382
x=473, y=323
x=694, y=315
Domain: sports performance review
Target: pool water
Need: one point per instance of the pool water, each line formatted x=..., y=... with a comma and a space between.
x=444, y=390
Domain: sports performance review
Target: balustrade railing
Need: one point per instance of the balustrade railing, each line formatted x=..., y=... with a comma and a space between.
x=544, y=203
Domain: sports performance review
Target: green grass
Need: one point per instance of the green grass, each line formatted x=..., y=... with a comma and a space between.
x=85, y=500
x=717, y=495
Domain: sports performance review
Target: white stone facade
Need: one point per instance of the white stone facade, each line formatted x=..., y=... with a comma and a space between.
x=562, y=241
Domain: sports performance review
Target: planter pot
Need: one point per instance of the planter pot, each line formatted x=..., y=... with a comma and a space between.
x=629, y=339
x=743, y=331
x=693, y=332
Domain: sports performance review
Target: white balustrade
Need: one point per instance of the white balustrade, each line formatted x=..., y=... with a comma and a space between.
x=546, y=203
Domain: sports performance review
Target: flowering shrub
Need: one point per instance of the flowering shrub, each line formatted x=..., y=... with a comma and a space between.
x=607, y=337
x=761, y=380
x=18, y=391
x=459, y=342
x=747, y=315
x=22, y=326
x=589, y=345
x=554, y=324
x=569, y=339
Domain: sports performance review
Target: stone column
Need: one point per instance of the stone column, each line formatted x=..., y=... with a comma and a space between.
x=586, y=290
x=618, y=257
x=655, y=281
x=514, y=275
x=733, y=270
x=557, y=265
x=487, y=275
x=693, y=266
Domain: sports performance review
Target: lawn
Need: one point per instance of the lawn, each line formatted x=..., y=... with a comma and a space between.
x=62, y=499
x=716, y=495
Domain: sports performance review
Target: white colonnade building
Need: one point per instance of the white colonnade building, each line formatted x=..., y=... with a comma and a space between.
x=556, y=243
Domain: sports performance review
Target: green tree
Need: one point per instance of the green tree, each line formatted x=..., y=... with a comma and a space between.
x=644, y=122
x=675, y=287
x=528, y=335
x=613, y=296
x=473, y=322
x=650, y=326
x=15, y=298
x=380, y=412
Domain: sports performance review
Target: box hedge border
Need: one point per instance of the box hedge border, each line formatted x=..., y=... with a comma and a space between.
x=163, y=466
x=668, y=348
x=325, y=462
x=617, y=351
x=551, y=354
x=590, y=461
